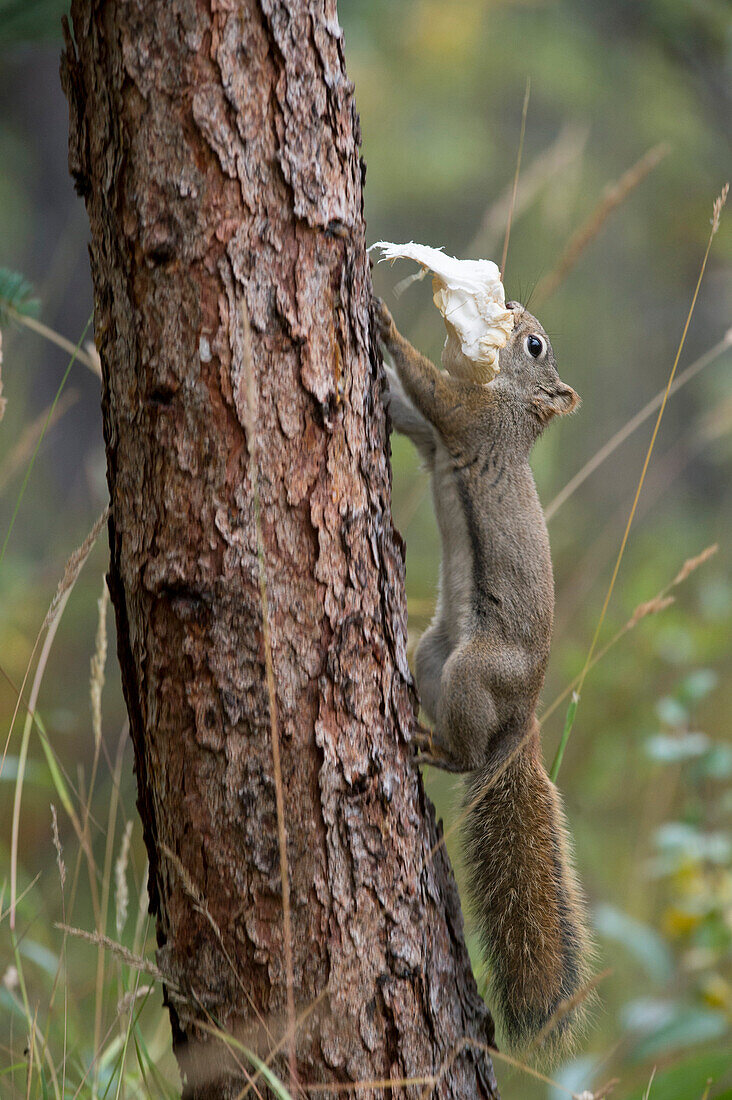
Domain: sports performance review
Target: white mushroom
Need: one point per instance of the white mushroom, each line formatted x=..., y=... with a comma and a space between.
x=470, y=296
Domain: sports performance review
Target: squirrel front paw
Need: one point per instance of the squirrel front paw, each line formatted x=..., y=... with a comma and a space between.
x=383, y=319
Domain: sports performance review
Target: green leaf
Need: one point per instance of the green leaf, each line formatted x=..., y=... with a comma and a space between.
x=642, y=941
x=568, y=723
x=675, y=1027
x=686, y=1079
x=40, y=955
x=16, y=293
x=679, y=838
x=716, y=764
x=671, y=711
x=671, y=749
x=697, y=685
x=575, y=1077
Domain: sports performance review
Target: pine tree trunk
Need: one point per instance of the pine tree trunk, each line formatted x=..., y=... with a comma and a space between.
x=217, y=150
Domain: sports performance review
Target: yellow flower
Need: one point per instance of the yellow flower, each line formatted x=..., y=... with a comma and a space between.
x=678, y=922
x=716, y=992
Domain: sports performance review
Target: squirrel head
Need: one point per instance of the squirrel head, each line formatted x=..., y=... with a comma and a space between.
x=528, y=372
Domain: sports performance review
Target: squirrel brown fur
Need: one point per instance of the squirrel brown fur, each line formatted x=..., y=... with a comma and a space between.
x=480, y=669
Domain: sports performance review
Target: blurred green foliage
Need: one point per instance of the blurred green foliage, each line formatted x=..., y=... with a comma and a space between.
x=646, y=774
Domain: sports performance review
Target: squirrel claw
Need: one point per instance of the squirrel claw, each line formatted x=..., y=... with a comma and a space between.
x=435, y=760
x=431, y=752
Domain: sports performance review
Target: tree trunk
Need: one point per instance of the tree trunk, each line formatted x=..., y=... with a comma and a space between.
x=217, y=150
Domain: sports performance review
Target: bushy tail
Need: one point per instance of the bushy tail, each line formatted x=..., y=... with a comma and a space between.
x=525, y=894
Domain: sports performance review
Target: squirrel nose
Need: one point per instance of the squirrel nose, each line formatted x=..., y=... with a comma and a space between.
x=512, y=305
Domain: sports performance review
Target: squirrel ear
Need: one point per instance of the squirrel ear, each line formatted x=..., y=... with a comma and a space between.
x=557, y=401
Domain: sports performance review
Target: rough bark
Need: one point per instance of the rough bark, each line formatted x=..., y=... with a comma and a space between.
x=217, y=149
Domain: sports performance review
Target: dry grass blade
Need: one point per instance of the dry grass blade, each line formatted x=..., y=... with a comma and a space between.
x=432, y=1080
x=613, y=195
x=202, y=1066
x=651, y=607
x=200, y=902
x=98, y=662
x=121, y=891
x=659, y=603
x=23, y=449
x=74, y=566
x=692, y=564
x=56, y=338
x=647, y=1091
x=633, y=424
x=284, y=1041
x=137, y=962
x=71, y=572
x=567, y=1006
x=23, y=754
x=251, y=405
x=57, y=845
x=127, y=1002
x=31, y=464
x=50, y=624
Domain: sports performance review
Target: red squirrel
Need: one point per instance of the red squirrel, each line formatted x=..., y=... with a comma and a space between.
x=480, y=669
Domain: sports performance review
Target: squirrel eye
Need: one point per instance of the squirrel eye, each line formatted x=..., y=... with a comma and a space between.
x=535, y=346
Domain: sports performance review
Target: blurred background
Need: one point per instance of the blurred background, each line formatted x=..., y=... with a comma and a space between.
x=627, y=143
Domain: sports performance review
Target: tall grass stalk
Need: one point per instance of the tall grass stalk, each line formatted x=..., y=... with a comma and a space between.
x=512, y=205
x=633, y=424
x=717, y=211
